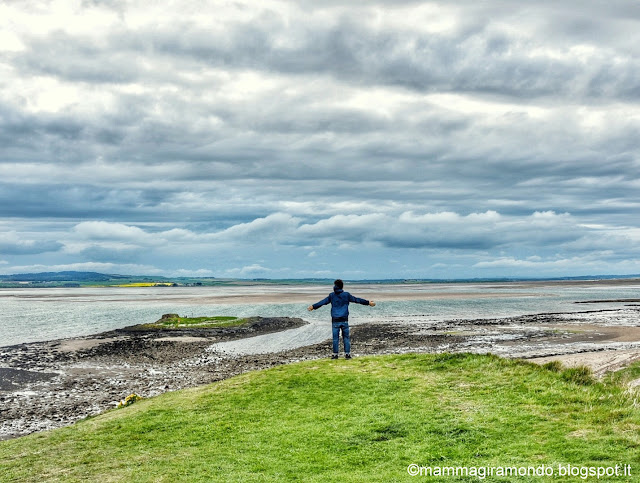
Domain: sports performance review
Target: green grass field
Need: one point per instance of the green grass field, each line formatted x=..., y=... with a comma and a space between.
x=192, y=322
x=366, y=419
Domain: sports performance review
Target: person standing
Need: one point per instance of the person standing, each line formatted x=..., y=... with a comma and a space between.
x=339, y=300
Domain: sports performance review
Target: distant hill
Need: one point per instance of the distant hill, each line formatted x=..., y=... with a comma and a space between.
x=69, y=276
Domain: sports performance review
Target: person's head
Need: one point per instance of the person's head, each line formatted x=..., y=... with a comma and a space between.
x=338, y=283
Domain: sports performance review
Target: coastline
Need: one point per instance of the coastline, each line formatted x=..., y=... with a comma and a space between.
x=39, y=314
x=45, y=385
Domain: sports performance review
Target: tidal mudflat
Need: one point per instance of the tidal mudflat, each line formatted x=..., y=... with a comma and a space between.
x=45, y=385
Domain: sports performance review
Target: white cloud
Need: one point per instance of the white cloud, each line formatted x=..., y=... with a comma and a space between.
x=248, y=271
x=9, y=41
x=577, y=265
x=217, y=135
x=446, y=230
x=194, y=273
x=440, y=230
x=102, y=230
x=533, y=262
x=277, y=224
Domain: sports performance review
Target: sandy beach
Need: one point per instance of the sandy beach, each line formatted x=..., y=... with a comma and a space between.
x=45, y=385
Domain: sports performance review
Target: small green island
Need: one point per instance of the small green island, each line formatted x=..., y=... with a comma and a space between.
x=176, y=322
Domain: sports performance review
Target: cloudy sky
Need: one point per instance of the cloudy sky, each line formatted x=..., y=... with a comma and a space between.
x=320, y=138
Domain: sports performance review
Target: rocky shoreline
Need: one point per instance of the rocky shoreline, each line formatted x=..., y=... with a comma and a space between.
x=46, y=385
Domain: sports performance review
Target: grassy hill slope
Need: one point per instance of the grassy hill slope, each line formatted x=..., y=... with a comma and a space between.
x=361, y=420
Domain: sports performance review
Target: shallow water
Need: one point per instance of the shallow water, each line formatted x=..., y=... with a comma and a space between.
x=29, y=315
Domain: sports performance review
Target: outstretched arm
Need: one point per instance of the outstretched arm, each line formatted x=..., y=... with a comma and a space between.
x=358, y=300
x=317, y=305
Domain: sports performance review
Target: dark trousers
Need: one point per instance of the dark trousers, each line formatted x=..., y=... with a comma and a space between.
x=336, y=328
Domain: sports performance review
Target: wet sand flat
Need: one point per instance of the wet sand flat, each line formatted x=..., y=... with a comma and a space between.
x=305, y=298
x=291, y=297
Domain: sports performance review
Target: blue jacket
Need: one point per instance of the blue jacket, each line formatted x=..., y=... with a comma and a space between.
x=339, y=301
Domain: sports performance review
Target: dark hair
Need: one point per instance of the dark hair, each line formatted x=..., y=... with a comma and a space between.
x=339, y=283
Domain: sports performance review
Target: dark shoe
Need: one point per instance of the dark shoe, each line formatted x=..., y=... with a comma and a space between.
x=334, y=356
x=347, y=356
